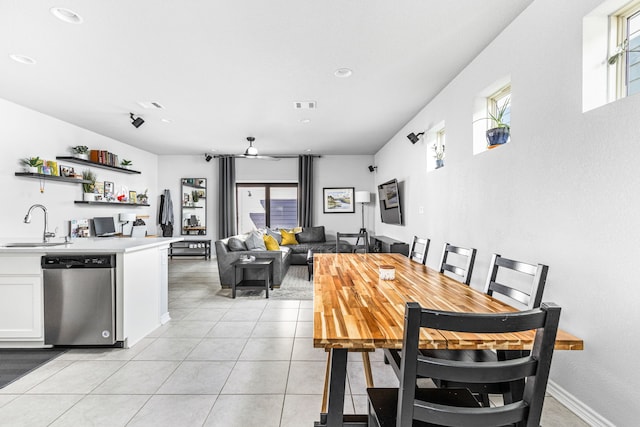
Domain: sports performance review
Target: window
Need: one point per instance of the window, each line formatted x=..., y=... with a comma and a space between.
x=624, y=58
x=435, y=139
x=499, y=106
x=492, y=109
x=266, y=205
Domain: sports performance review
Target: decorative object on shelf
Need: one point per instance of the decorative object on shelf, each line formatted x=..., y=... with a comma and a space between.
x=194, y=196
x=81, y=152
x=109, y=195
x=438, y=153
x=142, y=198
x=79, y=228
x=338, y=200
x=363, y=197
x=500, y=132
x=133, y=197
x=67, y=171
x=89, y=187
x=126, y=163
x=32, y=164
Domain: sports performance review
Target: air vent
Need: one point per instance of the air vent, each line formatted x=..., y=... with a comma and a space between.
x=305, y=105
x=150, y=105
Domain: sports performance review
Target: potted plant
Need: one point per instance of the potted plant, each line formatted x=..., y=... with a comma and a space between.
x=438, y=153
x=31, y=164
x=89, y=187
x=500, y=132
x=81, y=152
x=126, y=163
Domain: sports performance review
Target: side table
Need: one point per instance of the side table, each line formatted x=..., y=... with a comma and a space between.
x=264, y=264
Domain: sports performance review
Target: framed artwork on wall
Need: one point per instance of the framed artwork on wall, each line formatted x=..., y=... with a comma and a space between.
x=338, y=200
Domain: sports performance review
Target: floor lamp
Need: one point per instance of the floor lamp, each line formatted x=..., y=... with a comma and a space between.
x=363, y=197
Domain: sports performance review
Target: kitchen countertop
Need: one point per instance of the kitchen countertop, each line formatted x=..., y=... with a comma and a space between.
x=91, y=245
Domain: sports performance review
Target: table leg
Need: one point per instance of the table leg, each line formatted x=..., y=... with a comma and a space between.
x=267, y=271
x=235, y=279
x=368, y=375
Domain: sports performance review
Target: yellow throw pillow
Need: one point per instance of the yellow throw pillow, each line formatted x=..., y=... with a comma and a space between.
x=288, y=238
x=271, y=243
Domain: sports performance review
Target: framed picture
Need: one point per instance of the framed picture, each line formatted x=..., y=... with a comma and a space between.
x=338, y=200
x=133, y=197
x=67, y=171
x=108, y=190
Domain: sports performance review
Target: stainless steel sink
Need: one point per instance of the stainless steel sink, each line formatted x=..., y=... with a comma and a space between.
x=33, y=244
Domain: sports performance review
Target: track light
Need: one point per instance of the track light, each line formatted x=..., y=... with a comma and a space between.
x=136, y=121
x=414, y=138
x=208, y=157
x=372, y=168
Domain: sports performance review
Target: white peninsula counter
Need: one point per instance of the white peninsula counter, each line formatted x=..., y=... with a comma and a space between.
x=141, y=287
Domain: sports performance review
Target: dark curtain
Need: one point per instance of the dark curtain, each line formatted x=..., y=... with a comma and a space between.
x=305, y=190
x=227, y=198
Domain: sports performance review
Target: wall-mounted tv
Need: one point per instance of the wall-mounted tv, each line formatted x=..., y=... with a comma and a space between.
x=389, y=196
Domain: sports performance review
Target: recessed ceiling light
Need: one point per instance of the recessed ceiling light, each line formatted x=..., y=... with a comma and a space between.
x=166, y=120
x=66, y=15
x=213, y=149
x=23, y=59
x=305, y=121
x=308, y=150
x=343, y=73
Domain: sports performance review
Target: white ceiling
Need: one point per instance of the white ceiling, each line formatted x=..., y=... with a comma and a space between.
x=225, y=70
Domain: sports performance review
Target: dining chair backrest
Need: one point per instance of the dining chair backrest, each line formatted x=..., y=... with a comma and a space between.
x=419, y=249
x=534, y=367
x=360, y=242
x=529, y=294
x=463, y=272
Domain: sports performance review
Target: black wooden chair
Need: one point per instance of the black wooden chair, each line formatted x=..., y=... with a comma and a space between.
x=528, y=293
x=409, y=405
x=360, y=244
x=419, y=249
x=461, y=273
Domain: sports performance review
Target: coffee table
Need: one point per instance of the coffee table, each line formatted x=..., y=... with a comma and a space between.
x=264, y=264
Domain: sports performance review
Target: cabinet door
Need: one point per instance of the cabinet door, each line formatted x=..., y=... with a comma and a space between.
x=20, y=307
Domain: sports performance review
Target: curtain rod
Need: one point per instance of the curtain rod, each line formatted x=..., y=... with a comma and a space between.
x=281, y=156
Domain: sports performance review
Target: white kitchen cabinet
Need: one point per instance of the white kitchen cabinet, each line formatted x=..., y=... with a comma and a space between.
x=21, y=308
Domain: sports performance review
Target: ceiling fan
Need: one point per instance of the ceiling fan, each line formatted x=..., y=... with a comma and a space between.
x=252, y=152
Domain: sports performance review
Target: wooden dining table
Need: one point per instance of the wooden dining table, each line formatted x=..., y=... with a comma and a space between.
x=354, y=310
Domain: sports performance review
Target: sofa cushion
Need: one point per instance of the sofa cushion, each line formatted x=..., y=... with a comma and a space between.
x=275, y=234
x=234, y=244
x=255, y=242
x=288, y=238
x=311, y=235
x=271, y=243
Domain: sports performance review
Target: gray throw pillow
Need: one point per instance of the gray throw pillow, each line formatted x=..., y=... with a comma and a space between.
x=236, y=245
x=255, y=242
x=311, y=235
x=275, y=235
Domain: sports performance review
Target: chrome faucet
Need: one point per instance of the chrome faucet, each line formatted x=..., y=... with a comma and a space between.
x=45, y=234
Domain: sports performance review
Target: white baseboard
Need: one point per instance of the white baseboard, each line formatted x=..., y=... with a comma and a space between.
x=576, y=406
x=165, y=318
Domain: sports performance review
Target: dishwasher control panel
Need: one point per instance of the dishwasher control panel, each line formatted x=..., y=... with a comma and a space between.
x=78, y=261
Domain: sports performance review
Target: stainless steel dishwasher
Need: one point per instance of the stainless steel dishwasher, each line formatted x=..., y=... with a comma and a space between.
x=79, y=299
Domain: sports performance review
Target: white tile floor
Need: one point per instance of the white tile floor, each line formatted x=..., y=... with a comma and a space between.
x=219, y=362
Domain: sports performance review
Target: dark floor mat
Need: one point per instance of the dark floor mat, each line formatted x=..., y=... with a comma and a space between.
x=14, y=363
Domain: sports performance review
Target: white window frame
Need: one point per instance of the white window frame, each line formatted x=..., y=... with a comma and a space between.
x=617, y=35
x=485, y=102
x=434, y=137
x=493, y=102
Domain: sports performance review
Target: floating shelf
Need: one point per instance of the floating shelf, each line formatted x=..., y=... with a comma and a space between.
x=192, y=207
x=82, y=202
x=51, y=177
x=96, y=164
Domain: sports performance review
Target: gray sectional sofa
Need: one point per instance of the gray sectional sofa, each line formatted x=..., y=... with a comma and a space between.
x=235, y=247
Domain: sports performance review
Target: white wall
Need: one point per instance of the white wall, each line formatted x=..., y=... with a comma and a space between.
x=27, y=133
x=173, y=169
x=563, y=192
